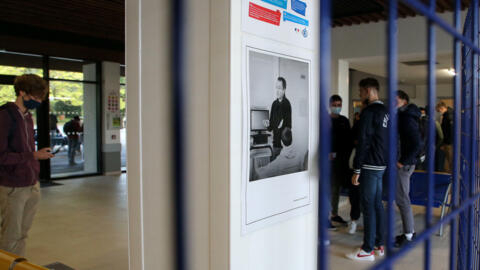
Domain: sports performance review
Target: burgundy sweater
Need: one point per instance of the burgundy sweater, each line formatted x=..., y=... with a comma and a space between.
x=18, y=167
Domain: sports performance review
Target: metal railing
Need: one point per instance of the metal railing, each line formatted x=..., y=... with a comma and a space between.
x=465, y=237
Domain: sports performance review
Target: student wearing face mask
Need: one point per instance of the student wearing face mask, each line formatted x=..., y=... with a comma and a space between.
x=342, y=144
x=19, y=163
x=280, y=116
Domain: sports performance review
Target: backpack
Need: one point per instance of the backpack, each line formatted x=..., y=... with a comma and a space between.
x=423, y=126
x=12, y=118
x=68, y=128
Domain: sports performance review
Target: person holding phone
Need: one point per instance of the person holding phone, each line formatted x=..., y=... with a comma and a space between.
x=19, y=163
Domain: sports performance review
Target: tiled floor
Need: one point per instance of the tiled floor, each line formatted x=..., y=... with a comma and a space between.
x=343, y=243
x=83, y=224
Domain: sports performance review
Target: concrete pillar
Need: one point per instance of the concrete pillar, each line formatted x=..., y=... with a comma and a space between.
x=90, y=120
x=149, y=153
x=112, y=120
x=343, y=85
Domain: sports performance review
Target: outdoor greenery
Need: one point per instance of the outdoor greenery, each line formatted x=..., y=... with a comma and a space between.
x=123, y=98
x=66, y=98
x=7, y=93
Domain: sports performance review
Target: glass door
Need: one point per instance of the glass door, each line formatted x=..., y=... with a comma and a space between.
x=73, y=117
x=69, y=121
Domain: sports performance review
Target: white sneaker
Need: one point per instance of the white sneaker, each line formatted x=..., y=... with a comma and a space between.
x=352, y=227
x=361, y=255
x=379, y=251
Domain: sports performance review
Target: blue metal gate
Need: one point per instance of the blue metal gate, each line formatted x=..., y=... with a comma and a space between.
x=468, y=233
x=464, y=217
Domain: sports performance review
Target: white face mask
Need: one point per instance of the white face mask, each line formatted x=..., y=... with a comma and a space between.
x=336, y=110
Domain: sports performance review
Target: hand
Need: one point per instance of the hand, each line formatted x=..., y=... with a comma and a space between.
x=44, y=153
x=280, y=124
x=266, y=123
x=355, y=178
x=400, y=165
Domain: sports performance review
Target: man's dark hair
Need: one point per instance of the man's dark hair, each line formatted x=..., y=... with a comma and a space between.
x=441, y=104
x=284, y=82
x=76, y=117
x=369, y=82
x=335, y=98
x=32, y=85
x=402, y=95
x=287, y=136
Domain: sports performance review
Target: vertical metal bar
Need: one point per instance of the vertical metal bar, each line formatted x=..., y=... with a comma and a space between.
x=178, y=75
x=431, y=131
x=456, y=135
x=43, y=127
x=324, y=133
x=474, y=126
x=392, y=131
x=99, y=112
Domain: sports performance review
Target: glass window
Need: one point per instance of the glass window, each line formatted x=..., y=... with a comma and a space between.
x=71, y=69
x=7, y=93
x=18, y=64
x=73, y=128
x=123, y=132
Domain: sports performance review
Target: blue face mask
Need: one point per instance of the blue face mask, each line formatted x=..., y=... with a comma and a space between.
x=31, y=104
x=336, y=110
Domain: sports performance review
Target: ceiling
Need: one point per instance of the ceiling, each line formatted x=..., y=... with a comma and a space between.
x=75, y=28
x=407, y=74
x=351, y=12
x=92, y=27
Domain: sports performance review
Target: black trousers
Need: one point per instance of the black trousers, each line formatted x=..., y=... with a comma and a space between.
x=342, y=178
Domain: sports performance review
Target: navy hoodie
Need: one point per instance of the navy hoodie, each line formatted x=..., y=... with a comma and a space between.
x=409, y=134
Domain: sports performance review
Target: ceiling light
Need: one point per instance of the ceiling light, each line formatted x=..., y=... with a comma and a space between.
x=451, y=72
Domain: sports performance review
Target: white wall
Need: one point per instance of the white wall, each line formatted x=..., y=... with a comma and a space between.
x=284, y=246
x=357, y=76
x=369, y=40
x=443, y=91
x=150, y=203
x=417, y=93
x=151, y=243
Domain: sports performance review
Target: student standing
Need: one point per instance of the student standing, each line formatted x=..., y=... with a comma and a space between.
x=19, y=166
x=369, y=166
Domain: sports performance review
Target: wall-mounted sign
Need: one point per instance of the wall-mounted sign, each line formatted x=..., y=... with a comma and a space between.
x=293, y=18
x=263, y=18
x=299, y=7
x=278, y=3
x=264, y=14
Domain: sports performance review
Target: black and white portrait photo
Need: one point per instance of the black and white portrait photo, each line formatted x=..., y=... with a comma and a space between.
x=278, y=88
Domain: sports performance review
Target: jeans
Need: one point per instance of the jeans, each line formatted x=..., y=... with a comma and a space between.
x=72, y=148
x=372, y=207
